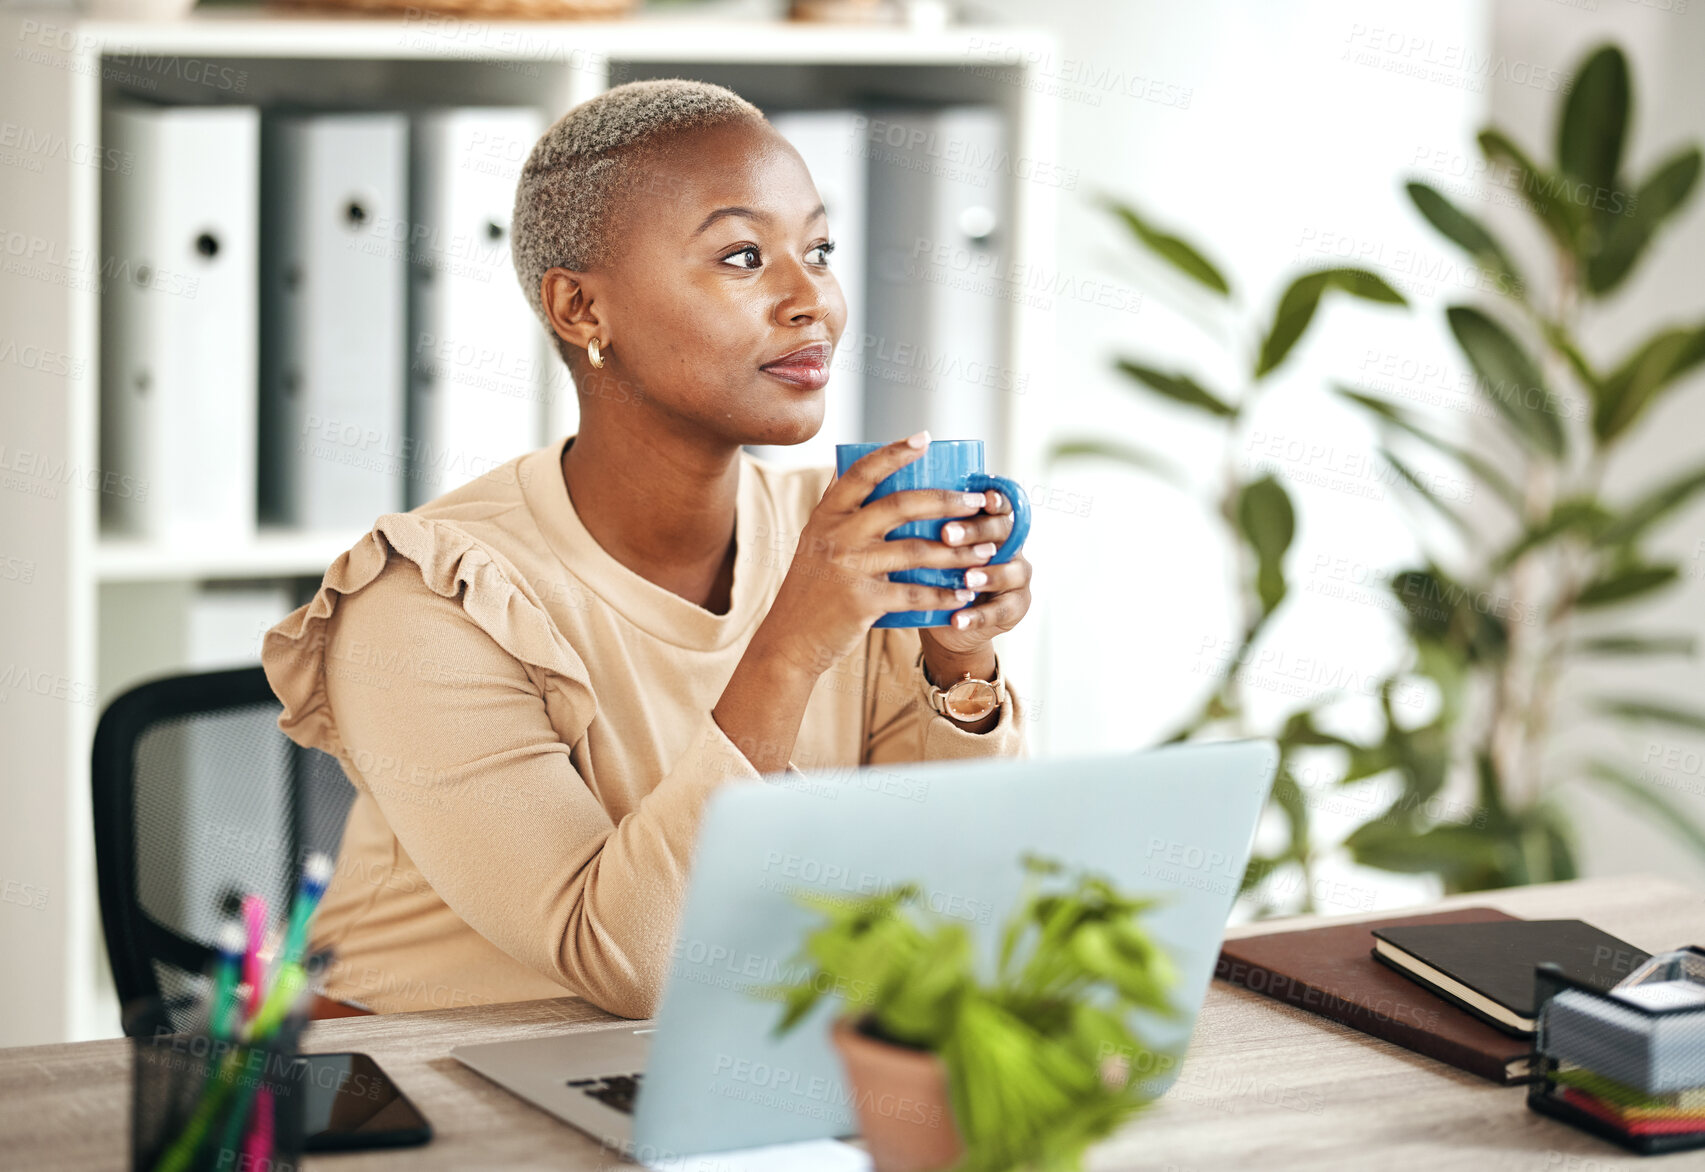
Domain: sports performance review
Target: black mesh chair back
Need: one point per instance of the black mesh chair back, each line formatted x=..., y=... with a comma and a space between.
x=199, y=800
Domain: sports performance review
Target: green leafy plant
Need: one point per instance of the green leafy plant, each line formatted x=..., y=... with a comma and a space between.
x=1042, y=1057
x=1253, y=507
x=1559, y=576
x=1549, y=573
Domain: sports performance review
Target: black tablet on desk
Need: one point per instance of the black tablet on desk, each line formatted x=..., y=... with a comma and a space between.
x=350, y=1103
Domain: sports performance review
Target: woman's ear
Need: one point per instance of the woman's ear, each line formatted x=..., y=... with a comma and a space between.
x=571, y=308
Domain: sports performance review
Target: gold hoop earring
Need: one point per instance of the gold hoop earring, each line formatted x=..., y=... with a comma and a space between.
x=595, y=354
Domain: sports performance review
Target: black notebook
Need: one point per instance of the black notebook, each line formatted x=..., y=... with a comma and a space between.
x=1488, y=968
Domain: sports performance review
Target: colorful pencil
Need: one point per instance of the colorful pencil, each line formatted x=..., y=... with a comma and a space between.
x=257, y=1147
x=254, y=916
x=221, y=1022
x=292, y=979
x=316, y=873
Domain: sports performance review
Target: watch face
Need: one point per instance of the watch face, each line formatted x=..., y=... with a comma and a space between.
x=969, y=700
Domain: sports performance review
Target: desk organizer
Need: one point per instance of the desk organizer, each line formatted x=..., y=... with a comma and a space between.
x=200, y=1102
x=1645, y=1091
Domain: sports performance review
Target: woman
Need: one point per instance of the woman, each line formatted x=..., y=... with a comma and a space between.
x=536, y=681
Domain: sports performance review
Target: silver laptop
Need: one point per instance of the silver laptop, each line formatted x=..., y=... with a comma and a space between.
x=710, y=1076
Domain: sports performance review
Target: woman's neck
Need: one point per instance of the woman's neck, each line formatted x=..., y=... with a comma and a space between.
x=660, y=506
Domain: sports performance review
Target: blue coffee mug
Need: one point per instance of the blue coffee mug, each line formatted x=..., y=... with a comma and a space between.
x=957, y=466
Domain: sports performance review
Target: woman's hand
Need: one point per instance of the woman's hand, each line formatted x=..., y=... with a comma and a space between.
x=1003, y=599
x=837, y=585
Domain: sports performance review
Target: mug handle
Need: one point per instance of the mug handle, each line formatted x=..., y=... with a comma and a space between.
x=982, y=481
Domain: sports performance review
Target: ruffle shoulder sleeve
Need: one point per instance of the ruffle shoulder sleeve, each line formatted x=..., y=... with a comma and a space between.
x=494, y=595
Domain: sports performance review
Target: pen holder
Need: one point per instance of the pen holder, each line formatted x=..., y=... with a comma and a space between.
x=205, y=1104
x=1589, y=1087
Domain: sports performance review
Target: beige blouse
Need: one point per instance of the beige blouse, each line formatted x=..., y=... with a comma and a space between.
x=527, y=725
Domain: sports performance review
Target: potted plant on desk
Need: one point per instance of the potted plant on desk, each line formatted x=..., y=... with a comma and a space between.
x=1022, y=1070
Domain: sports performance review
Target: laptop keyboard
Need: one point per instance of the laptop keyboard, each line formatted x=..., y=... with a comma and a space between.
x=616, y=1091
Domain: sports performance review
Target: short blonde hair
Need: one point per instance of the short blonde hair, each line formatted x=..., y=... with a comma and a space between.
x=565, y=200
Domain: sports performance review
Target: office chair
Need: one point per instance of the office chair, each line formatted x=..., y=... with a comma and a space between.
x=199, y=799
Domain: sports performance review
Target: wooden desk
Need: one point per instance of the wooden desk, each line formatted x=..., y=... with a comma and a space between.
x=1265, y=1086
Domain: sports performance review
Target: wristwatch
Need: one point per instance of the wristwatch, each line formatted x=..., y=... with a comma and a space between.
x=968, y=699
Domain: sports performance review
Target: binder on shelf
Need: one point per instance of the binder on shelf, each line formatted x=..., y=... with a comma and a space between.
x=832, y=144
x=475, y=352
x=336, y=233
x=179, y=237
x=225, y=621
x=940, y=274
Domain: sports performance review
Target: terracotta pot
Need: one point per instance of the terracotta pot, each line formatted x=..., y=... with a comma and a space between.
x=904, y=1111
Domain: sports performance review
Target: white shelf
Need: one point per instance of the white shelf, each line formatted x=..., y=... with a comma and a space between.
x=61, y=71
x=269, y=555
